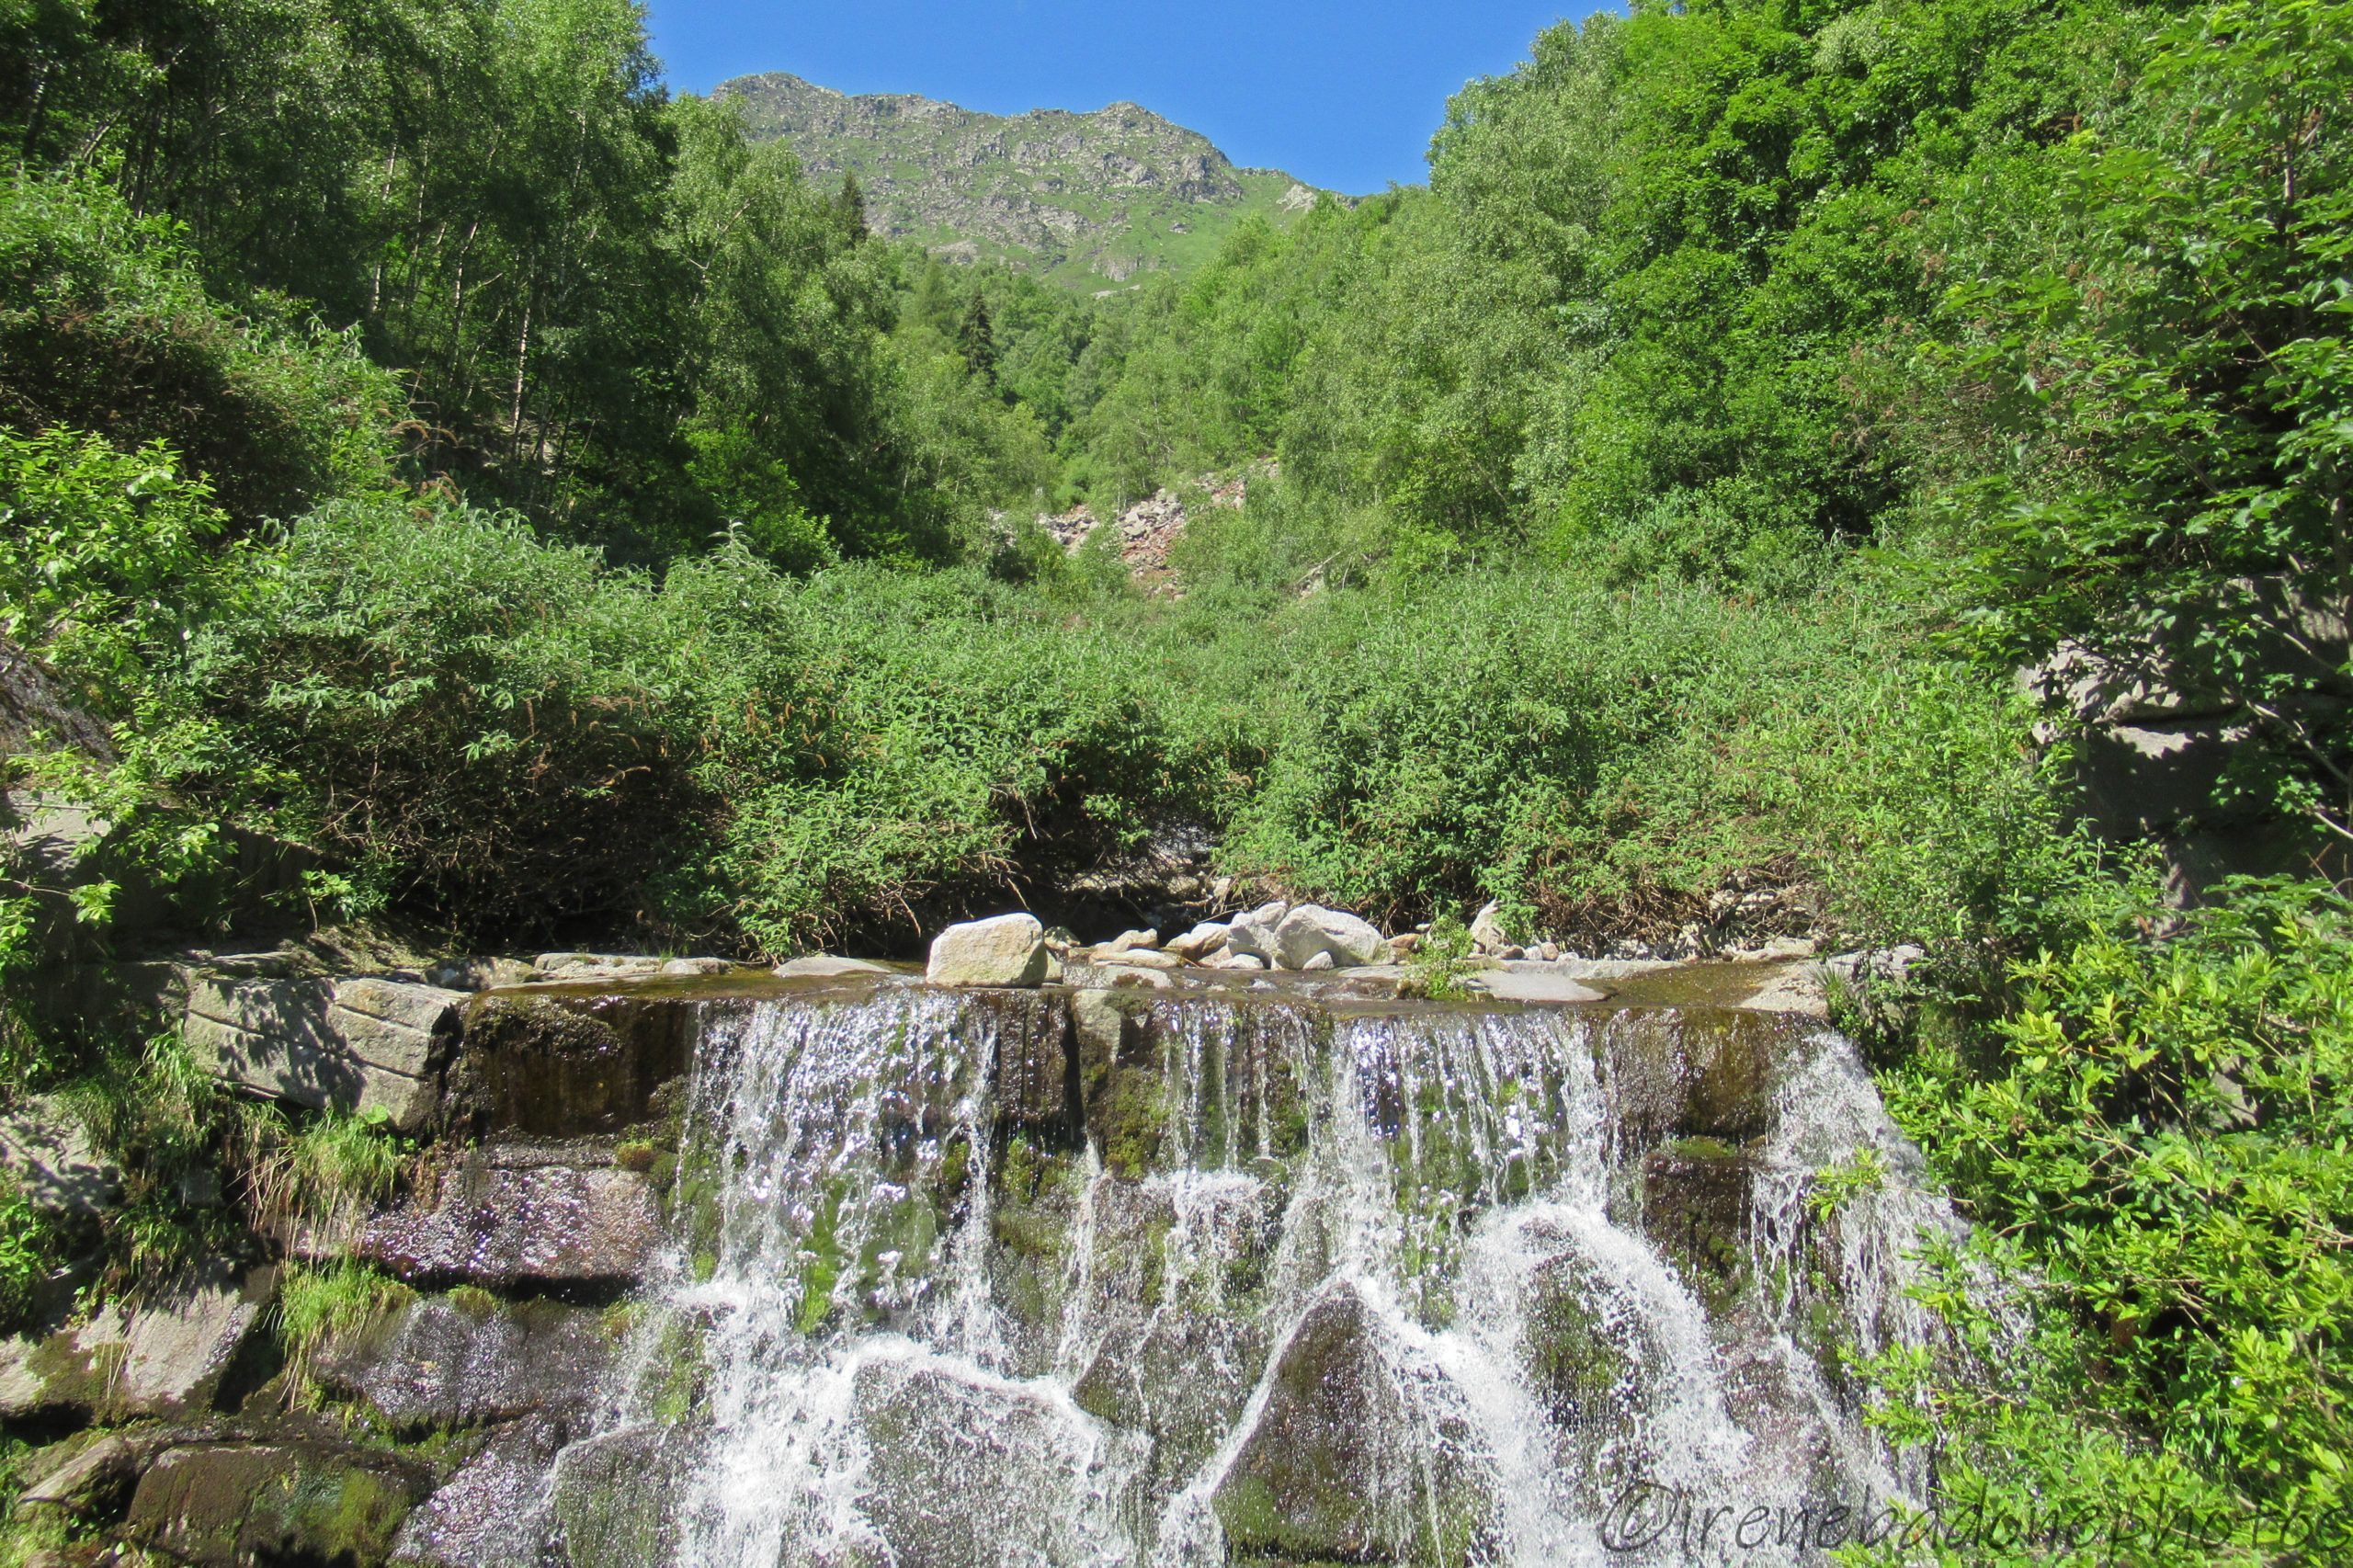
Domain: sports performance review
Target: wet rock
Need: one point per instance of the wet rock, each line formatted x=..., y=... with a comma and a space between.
x=230, y=1504
x=1583, y=1353
x=164, y=1354
x=1344, y=1463
x=49, y=1153
x=494, y=1511
x=1696, y=1207
x=565, y=1067
x=822, y=967
x=1697, y=1072
x=1255, y=935
x=1202, y=941
x=364, y=1045
x=1008, y=951
x=1312, y=931
x=492, y=1221
x=441, y=1363
x=1037, y=1069
x=615, y=1499
x=964, y=1469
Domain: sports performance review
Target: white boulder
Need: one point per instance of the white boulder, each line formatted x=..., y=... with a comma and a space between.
x=1008, y=951
x=1312, y=931
x=1254, y=935
x=1487, y=930
x=1200, y=942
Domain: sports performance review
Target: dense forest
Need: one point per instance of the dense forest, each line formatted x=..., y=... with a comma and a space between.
x=427, y=440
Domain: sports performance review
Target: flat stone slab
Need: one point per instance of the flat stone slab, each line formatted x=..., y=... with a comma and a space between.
x=356, y=1045
x=486, y=1222
x=1533, y=983
x=225, y=1504
x=823, y=967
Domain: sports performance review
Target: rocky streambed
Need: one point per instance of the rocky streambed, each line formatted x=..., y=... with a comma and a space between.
x=1142, y=1264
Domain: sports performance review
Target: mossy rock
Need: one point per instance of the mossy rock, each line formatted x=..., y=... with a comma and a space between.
x=1696, y=1073
x=1696, y=1208
x=566, y=1067
x=230, y=1504
x=1344, y=1464
x=616, y=1498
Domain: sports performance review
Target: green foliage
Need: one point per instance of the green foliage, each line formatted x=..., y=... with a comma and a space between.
x=108, y=324
x=2159, y=1128
x=2170, y=358
x=102, y=555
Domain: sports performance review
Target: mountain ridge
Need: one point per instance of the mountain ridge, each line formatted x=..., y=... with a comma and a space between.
x=1082, y=197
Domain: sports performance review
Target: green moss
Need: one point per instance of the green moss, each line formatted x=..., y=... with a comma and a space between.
x=1134, y=1120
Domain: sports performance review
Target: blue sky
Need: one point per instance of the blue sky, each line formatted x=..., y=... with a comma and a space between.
x=1343, y=94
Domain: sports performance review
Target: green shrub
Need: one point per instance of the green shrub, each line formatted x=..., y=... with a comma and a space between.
x=106, y=325
x=2161, y=1129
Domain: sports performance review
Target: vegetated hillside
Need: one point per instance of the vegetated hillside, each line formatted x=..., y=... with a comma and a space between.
x=1086, y=198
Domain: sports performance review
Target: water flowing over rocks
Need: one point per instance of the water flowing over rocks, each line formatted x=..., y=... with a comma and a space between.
x=1173, y=1267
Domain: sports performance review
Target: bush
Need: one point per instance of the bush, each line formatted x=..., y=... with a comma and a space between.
x=106, y=324
x=2162, y=1128
x=1586, y=755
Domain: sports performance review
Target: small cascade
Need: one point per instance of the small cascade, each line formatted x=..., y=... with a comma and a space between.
x=1179, y=1280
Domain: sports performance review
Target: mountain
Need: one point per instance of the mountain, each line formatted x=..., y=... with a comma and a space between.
x=1083, y=198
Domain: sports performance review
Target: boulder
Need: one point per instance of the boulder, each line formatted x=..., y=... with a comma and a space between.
x=501, y=1220
x=1144, y=957
x=1320, y=963
x=1253, y=935
x=61, y=1173
x=355, y=1045
x=681, y=969
x=1238, y=962
x=1008, y=951
x=224, y=1505
x=1487, y=929
x=1130, y=941
x=1312, y=930
x=1202, y=942
x=166, y=1353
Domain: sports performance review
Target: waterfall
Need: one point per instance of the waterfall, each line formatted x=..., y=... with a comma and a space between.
x=1171, y=1281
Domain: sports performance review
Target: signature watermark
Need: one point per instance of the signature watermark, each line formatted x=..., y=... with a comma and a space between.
x=1651, y=1518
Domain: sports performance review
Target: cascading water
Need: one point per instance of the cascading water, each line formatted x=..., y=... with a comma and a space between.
x=1178, y=1280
